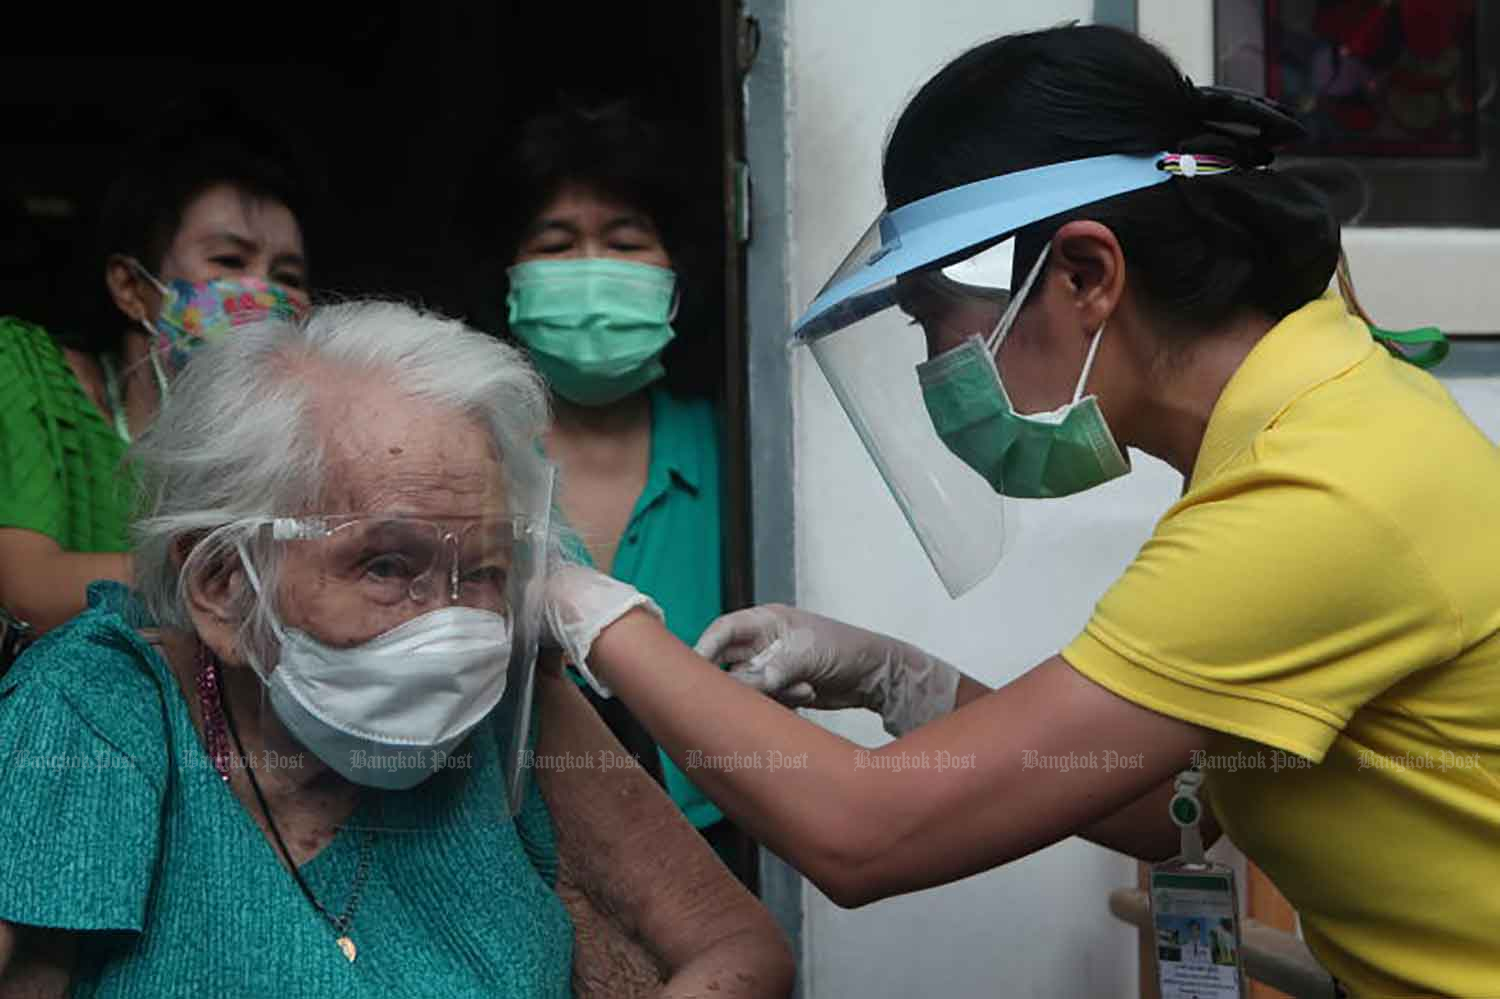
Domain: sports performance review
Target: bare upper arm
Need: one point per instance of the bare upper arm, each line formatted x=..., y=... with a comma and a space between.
x=1040, y=759
x=21, y=551
x=622, y=842
x=45, y=585
x=1144, y=830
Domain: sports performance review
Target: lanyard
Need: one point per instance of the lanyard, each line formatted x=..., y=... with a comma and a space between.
x=1186, y=811
x=1195, y=911
x=1402, y=343
x=116, y=397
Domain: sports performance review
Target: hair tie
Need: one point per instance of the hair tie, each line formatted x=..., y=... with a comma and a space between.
x=1254, y=127
x=1195, y=164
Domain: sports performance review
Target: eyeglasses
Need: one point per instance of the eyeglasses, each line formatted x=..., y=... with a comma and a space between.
x=388, y=560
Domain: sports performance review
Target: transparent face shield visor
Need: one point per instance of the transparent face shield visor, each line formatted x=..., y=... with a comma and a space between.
x=923, y=279
x=870, y=361
x=391, y=570
x=512, y=721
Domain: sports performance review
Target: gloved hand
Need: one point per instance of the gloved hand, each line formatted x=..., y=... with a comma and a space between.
x=805, y=660
x=579, y=604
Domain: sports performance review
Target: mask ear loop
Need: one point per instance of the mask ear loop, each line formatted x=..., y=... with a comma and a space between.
x=251, y=575
x=1008, y=317
x=152, y=332
x=253, y=578
x=140, y=269
x=1088, y=364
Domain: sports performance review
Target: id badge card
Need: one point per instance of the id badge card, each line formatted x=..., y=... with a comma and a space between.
x=1195, y=919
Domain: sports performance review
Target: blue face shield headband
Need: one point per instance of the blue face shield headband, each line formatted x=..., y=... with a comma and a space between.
x=914, y=236
x=869, y=351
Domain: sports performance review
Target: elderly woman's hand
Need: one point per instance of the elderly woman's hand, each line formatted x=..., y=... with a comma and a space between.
x=582, y=602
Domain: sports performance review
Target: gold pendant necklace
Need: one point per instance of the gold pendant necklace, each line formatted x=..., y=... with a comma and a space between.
x=344, y=920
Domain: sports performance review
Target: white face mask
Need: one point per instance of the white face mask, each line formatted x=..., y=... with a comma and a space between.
x=386, y=713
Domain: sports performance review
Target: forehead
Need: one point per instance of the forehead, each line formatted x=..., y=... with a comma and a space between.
x=387, y=452
x=227, y=209
x=584, y=205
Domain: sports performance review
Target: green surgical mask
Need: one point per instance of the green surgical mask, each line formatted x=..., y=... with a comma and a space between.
x=595, y=327
x=1032, y=456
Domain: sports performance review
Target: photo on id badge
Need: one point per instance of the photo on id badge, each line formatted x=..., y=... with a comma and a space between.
x=1195, y=920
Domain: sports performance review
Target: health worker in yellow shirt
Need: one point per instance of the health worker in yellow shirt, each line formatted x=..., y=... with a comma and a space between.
x=1083, y=252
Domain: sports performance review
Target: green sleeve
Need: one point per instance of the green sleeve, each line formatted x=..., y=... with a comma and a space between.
x=31, y=485
x=80, y=826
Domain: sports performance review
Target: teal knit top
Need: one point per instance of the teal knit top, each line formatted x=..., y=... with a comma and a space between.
x=114, y=819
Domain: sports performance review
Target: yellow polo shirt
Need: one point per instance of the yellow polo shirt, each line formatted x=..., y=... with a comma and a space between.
x=1326, y=598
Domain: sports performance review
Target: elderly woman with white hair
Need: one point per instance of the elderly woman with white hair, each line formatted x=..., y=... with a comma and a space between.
x=285, y=765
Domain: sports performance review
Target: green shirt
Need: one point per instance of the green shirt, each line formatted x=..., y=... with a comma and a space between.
x=671, y=548
x=115, y=819
x=61, y=471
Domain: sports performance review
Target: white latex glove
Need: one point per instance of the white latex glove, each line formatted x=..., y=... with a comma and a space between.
x=808, y=661
x=580, y=603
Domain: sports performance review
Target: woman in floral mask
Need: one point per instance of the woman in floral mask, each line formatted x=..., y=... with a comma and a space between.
x=592, y=278
x=200, y=234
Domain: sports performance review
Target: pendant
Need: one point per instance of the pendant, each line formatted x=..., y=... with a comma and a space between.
x=347, y=946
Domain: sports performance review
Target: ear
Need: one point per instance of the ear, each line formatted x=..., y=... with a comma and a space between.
x=133, y=295
x=215, y=593
x=1089, y=258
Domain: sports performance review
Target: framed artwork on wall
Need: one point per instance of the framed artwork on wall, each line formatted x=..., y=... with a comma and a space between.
x=1399, y=97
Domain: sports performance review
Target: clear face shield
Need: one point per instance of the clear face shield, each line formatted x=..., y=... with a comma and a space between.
x=432, y=685
x=871, y=365
x=926, y=278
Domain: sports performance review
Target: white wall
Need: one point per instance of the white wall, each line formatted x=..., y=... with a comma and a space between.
x=1039, y=927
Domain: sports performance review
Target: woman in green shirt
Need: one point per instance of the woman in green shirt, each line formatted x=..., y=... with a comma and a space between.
x=205, y=214
x=596, y=242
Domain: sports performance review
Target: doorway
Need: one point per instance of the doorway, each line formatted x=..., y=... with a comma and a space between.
x=400, y=111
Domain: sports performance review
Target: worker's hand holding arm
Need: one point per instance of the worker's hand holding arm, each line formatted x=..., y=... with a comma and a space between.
x=808, y=661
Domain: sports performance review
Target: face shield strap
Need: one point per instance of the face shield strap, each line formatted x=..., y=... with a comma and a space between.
x=1008, y=317
x=1007, y=320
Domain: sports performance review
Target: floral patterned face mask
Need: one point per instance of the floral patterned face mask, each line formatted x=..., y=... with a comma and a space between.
x=197, y=312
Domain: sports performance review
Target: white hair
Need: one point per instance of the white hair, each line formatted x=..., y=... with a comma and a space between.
x=237, y=438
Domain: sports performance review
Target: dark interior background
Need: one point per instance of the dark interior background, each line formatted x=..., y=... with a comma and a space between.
x=402, y=111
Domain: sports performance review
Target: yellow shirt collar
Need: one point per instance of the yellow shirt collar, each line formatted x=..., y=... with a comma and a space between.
x=1316, y=343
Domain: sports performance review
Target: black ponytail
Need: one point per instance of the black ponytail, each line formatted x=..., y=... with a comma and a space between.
x=1202, y=248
